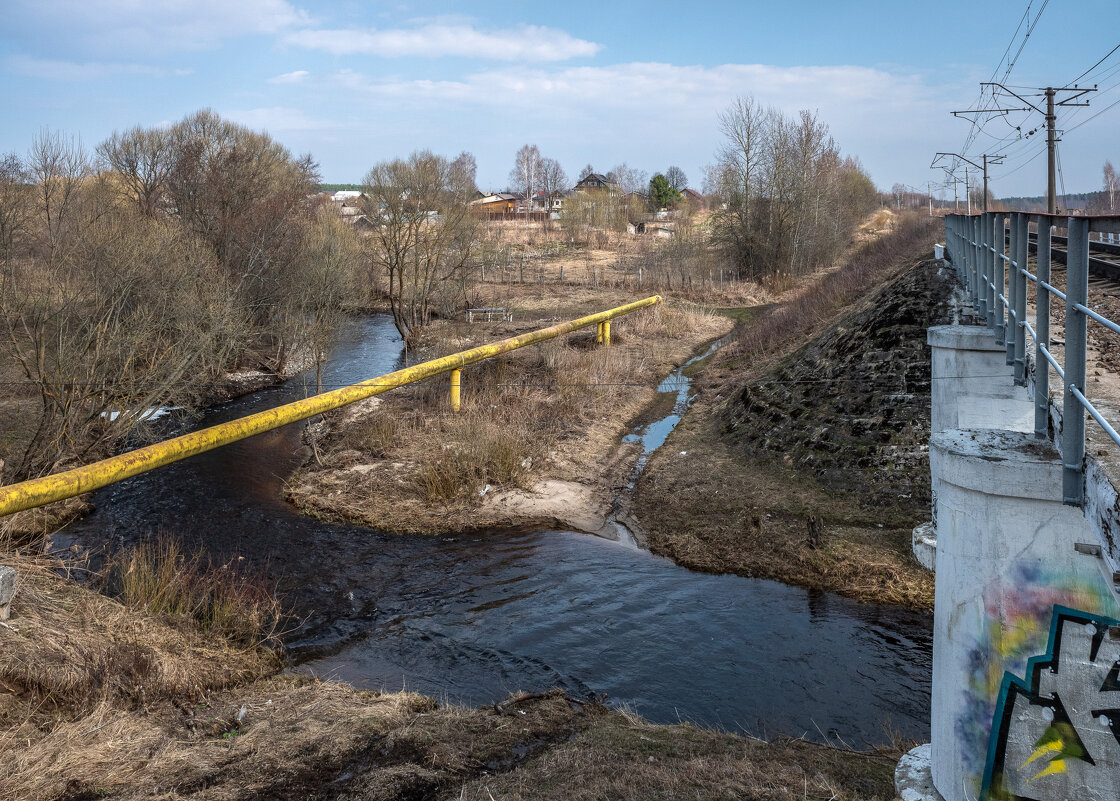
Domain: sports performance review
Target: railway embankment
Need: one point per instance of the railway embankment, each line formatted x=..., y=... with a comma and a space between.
x=807, y=462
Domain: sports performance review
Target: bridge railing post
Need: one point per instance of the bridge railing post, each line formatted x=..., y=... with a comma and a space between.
x=995, y=232
x=1020, y=300
x=1073, y=413
x=1042, y=333
x=985, y=264
x=998, y=322
x=974, y=259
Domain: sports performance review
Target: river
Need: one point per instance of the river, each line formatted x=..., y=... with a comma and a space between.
x=470, y=618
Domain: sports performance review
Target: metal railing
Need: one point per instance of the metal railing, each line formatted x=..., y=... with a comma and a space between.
x=59, y=486
x=990, y=252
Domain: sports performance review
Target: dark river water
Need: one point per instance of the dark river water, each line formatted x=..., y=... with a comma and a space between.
x=470, y=618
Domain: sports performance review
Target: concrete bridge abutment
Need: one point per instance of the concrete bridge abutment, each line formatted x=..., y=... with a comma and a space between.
x=1026, y=630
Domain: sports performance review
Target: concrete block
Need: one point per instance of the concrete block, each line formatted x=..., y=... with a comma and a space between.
x=912, y=778
x=923, y=542
x=972, y=384
x=7, y=590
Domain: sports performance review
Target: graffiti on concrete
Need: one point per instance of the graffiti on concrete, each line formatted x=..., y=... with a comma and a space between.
x=1017, y=621
x=1056, y=731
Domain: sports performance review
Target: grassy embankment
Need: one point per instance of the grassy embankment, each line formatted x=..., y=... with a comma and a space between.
x=740, y=497
x=103, y=700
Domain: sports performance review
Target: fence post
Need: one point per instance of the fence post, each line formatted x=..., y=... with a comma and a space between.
x=1073, y=413
x=1020, y=299
x=997, y=314
x=1042, y=333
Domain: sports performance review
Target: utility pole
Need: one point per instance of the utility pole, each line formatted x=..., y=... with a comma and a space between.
x=967, y=192
x=1051, y=144
x=929, y=194
x=1050, y=93
x=987, y=159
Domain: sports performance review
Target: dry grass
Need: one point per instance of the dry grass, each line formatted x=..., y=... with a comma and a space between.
x=158, y=578
x=297, y=738
x=70, y=648
x=820, y=301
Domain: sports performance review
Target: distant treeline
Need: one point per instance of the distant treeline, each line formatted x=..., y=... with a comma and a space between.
x=340, y=187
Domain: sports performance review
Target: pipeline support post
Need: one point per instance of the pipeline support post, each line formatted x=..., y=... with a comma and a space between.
x=456, y=379
x=606, y=333
x=1073, y=413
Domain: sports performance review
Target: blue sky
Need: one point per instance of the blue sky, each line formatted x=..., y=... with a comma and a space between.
x=355, y=82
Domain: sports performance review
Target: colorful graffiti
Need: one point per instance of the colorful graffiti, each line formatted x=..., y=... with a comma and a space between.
x=1056, y=732
x=1017, y=623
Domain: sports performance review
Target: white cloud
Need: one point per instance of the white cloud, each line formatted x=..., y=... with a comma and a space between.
x=56, y=70
x=299, y=76
x=156, y=25
x=279, y=119
x=530, y=43
x=640, y=110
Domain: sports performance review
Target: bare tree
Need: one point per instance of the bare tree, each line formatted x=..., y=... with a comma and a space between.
x=553, y=178
x=15, y=204
x=327, y=271
x=129, y=316
x=629, y=180
x=586, y=171
x=788, y=201
x=526, y=175
x=425, y=233
x=467, y=168
x=58, y=166
x=143, y=159
x=1110, y=185
x=676, y=177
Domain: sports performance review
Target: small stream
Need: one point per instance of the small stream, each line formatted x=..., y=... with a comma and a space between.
x=470, y=618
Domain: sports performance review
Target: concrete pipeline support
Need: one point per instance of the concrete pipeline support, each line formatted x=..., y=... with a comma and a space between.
x=39, y=491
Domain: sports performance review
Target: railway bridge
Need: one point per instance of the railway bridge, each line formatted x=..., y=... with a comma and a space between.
x=1025, y=537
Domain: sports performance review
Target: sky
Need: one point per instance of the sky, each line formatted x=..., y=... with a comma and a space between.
x=355, y=82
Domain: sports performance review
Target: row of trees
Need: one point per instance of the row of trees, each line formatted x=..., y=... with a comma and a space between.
x=134, y=277
x=533, y=173
x=788, y=200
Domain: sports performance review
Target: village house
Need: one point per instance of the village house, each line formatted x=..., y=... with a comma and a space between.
x=595, y=181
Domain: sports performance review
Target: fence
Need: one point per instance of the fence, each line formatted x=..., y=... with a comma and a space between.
x=40, y=491
x=990, y=252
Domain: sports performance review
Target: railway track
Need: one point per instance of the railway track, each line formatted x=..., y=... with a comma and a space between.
x=1104, y=259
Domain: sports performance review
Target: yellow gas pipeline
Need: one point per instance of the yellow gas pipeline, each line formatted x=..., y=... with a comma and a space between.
x=39, y=491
